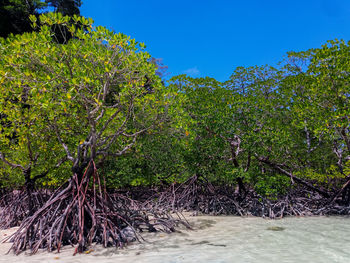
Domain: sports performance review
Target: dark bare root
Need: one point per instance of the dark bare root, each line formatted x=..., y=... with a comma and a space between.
x=14, y=206
x=199, y=196
x=81, y=212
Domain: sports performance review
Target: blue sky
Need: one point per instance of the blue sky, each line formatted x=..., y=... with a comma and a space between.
x=211, y=38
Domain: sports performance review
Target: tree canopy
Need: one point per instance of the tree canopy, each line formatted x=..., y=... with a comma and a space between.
x=89, y=101
x=14, y=14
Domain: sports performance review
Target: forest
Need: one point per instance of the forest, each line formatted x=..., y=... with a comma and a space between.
x=94, y=139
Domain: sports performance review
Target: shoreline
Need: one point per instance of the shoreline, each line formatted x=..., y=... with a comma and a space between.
x=211, y=234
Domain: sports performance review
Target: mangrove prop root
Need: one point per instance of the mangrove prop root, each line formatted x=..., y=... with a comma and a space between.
x=82, y=213
x=14, y=206
x=200, y=196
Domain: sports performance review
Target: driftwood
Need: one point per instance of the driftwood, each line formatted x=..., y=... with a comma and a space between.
x=278, y=168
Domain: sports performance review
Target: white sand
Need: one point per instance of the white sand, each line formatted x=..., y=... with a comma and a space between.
x=222, y=239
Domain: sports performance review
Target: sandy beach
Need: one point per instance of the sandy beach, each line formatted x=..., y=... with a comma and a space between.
x=132, y=253
x=220, y=239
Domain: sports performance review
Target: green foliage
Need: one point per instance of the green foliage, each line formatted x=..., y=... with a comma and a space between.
x=98, y=96
x=14, y=15
x=272, y=186
x=65, y=7
x=268, y=112
x=85, y=99
x=331, y=178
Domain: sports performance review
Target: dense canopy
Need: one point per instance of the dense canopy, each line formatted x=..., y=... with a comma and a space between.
x=86, y=116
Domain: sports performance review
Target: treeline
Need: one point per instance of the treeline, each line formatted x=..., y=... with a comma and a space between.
x=90, y=115
x=265, y=128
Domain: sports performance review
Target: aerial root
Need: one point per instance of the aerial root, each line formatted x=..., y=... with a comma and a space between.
x=82, y=212
x=198, y=195
x=14, y=206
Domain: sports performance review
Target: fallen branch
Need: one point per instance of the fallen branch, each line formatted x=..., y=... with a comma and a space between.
x=294, y=178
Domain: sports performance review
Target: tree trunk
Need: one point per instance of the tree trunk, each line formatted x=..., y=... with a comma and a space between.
x=79, y=169
x=240, y=188
x=29, y=188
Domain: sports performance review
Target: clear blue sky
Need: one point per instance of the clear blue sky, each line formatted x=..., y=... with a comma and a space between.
x=211, y=38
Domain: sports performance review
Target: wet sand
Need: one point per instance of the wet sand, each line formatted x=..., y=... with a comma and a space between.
x=221, y=239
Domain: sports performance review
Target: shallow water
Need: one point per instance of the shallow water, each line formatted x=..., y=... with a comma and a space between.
x=227, y=239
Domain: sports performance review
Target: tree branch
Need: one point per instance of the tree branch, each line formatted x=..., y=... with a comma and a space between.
x=127, y=147
x=13, y=165
x=289, y=174
x=69, y=155
x=43, y=174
